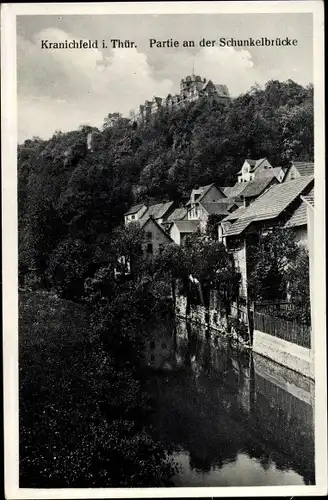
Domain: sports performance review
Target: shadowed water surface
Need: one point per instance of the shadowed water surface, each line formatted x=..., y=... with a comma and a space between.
x=231, y=418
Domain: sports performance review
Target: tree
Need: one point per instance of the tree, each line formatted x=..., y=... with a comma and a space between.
x=212, y=226
x=269, y=260
x=68, y=265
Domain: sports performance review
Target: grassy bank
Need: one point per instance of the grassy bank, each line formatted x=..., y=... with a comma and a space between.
x=55, y=390
x=81, y=418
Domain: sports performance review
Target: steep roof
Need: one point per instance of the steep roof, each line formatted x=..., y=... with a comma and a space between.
x=234, y=215
x=234, y=191
x=187, y=226
x=203, y=191
x=269, y=172
x=158, y=211
x=254, y=164
x=177, y=214
x=271, y=203
x=257, y=186
x=145, y=220
x=304, y=167
x=298, y=217
x=135, y=209
x=222, y=90
x=216, y=207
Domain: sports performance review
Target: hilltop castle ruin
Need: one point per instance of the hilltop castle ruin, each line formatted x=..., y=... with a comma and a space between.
x=192, y=88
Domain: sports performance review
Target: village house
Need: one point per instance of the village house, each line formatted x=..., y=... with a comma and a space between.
x=159, y=211
x=135, y=213
x=181, y=228
x=233, y=192
x=205, y=194
x=177, y=214
x=150, y=220
x=218, y=208
x=274, y=207
x=309, y=202
x=298, y=219
x=298, y=169
x=252, y=168
x=253, y=189
x=155, y=236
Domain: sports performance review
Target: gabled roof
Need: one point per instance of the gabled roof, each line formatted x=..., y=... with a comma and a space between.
x=309, y=198
x=269, y=172
x=145, y=220
x=271, y=203
x=222, y=90
x=134, y=209
x=158, y=211
x=177, y=214
x=257, y=186
x=298, y=217
x=204, y=190
x=217, y=207
x=234, y=215
x=254, y=164
x=234, y=191
x=304, y=167
x=187, y=226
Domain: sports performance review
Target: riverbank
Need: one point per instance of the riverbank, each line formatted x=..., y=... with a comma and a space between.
x=290, y=355
x=229, y=409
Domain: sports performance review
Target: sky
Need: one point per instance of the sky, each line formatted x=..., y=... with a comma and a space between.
x=63, y=89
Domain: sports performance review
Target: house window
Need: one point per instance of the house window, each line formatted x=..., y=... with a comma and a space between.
x=150, y=248
x=160, y=247
x=149, y=234
x=292, y=176
x=133, y=217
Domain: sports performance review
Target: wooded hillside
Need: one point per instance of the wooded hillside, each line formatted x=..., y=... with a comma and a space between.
x=70, y=199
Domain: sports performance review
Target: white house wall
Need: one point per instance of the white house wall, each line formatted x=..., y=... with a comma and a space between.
x=175, y=234
x=157, y=238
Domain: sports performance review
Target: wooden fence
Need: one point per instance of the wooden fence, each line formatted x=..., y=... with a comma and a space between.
x=283, y=329
x=285, y=310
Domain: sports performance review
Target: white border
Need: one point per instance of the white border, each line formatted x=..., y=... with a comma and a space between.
x=9, y=252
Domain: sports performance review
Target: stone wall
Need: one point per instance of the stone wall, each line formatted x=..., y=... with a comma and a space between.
x=285, y=353
x=200, y=316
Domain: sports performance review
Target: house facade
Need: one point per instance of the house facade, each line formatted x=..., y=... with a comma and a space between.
x=182, y=228
x=203, y=194
x=280, y=205
x=155, y=237
x=160, y=211
x=135, y=213
x=299, y=169
x=252, y=167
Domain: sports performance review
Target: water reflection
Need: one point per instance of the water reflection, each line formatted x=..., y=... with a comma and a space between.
x=232, y=418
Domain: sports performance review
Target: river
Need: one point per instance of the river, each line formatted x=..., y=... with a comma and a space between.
x=230, y=417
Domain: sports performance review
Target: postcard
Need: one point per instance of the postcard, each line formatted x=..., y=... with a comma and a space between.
x=164, y=249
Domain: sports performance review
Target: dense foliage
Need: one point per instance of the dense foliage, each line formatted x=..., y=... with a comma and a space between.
x=82, y=405
x=68, y=193
x=280, y=271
